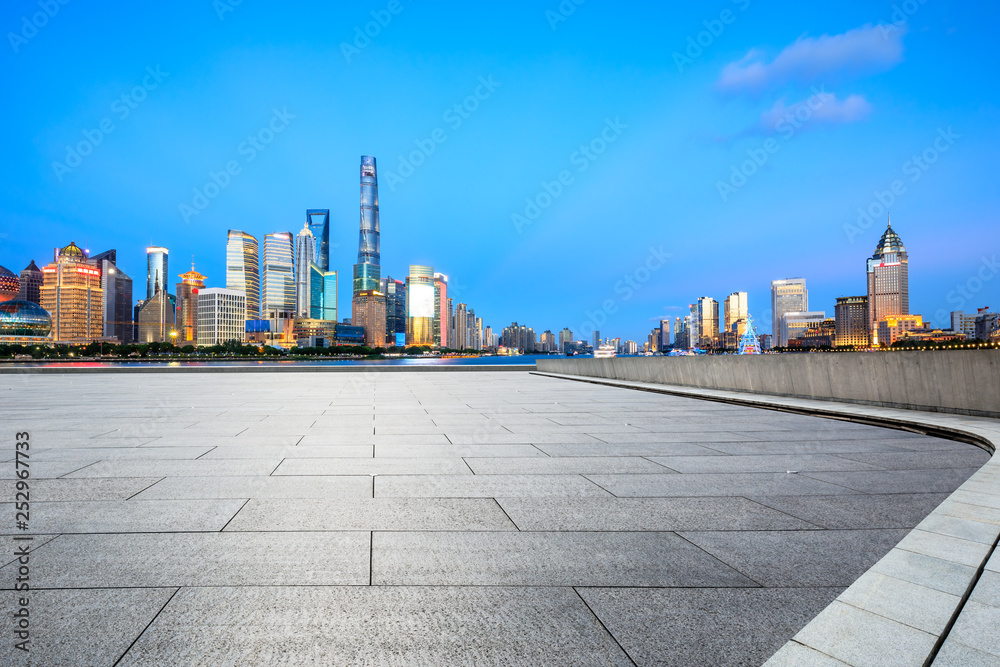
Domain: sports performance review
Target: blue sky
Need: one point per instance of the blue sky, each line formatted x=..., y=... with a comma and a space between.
x=685, y=170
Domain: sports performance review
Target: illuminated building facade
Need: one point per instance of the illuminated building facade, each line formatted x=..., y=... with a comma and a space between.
x=10, y=285
x=851, y=315
x=892, y=328
x=420, y=305
x=156, y=268
x=305, y=256
x=157, y=318
x=31, y=284
x=795, y=325
x=395, y=309
x=441, y=319
x=787, y=296
x=735, y=313
x=71, y=293
x=117, y=306
x=221, y=316
x=243, y=270
x=888, y=281
x=188, y=289
x=708, y=321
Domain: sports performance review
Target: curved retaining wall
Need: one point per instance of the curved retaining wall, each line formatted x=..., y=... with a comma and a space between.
x=956, y=381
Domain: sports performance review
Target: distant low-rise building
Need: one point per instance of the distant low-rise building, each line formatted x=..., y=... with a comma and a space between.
x=894, y=327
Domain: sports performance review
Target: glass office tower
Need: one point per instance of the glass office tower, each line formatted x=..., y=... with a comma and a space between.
x=279, y=275
x=156, y=269
x=322, y=294
x=441, y=319
x=318, y=222
x=787, y=296
x=243, y=269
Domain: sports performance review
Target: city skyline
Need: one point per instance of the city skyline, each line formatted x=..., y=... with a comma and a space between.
x=902, y=134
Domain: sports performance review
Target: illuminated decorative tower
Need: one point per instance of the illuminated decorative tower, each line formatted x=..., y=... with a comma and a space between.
x=888, y=281
x=749, y=342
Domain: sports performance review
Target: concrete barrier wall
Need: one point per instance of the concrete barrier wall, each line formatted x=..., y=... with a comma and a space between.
x=956, y=381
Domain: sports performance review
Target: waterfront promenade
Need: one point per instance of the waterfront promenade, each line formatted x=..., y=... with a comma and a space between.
x=440, y=518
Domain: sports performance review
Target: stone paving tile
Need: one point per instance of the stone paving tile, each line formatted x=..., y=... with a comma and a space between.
x=921, y=460
x=908, y=603
x=734, y=626
x=286, y=486
x=897, y=481
x=399, y=514
x=566, y=465
x=132, y=516
x=804, y=555
x=118, y=453
x=118, y=488
x=199, y=559
x=386, y=625
x=902, y=510
x=445, y=451
x=956, y=654
x=645, y=514
x=178, y=468
x=70, y=628
x=743, y=484
x=640, y=449
x=545, y=559
x=290, y=451
x=484, y=486
x=373, y=466
x=807, y=447
x=764, y=463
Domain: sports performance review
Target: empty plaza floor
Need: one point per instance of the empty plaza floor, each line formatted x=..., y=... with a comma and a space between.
x=437, y=518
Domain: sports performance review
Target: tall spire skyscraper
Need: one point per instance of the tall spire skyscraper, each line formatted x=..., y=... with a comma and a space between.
x=888, y=280
x=367, y=272
x=368, y=302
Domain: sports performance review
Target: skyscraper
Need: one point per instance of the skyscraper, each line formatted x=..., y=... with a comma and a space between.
x=708, y=320
x=318, y=224
x=420, y=305
x=305, y=255
x=156, y=269
x=243, y=269
x=664, y=334
x=322, y=294
x=221, y=316
x=279, y=276
x=735, y=314
x=31, y=283
x=395, y=309
x=787, y=296
x=72, y=294
x=369, y=314
x=188, y=289
x=367, y=272
x=888, y=281
x=461, y=341
x=693, y=326
x=565, y=338
x=851, y=315
x=117, y=305
x=441, y=323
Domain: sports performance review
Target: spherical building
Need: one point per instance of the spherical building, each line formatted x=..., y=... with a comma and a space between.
x=24, y=322
x=10, y=285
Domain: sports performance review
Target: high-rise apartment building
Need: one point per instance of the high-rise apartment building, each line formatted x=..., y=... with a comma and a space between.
x=117, y=305
x=708, y=321
x=565, y=338
x=278, y=276
x=156, y=269
x=187, y=290
x=787, y=296
x=318, y=224
x=441, y=318
x=243, y=269
x=305, y=255
x=461, y=341
x=664, y=341
x=547, y=341
x=888, y=281
x=221, y=316
x=71, y=293
x=851, y=315
x=31, y=284
x=420, y=305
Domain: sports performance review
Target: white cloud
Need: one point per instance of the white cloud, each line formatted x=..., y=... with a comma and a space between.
x=820, y=108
